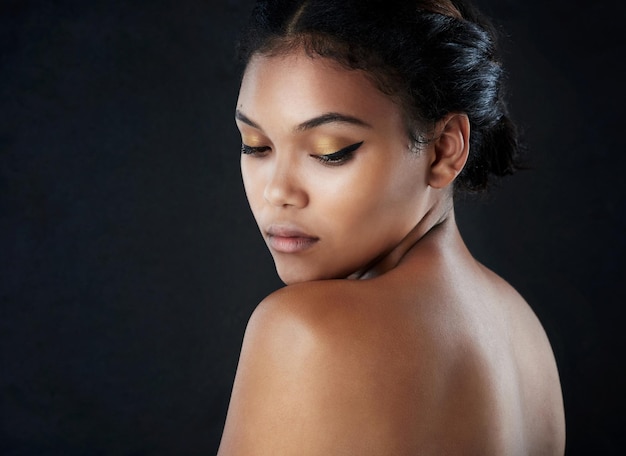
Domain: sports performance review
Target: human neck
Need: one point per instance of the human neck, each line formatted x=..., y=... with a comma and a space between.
x=437, y=221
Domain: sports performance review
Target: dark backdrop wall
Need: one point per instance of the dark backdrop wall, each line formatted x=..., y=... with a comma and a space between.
x=130, y=262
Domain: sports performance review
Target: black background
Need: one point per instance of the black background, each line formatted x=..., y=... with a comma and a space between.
x=130, y=262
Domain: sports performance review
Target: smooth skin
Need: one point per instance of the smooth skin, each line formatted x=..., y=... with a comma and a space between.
x=389, y=338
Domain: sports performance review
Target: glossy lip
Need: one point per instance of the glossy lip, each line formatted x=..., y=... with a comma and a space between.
x=288, y=238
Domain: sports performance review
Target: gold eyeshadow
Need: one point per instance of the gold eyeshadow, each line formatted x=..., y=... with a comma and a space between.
x=254, y=140
x=322, y=146
x=327, y=146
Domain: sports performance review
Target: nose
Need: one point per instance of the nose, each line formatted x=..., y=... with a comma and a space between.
x=284, y=187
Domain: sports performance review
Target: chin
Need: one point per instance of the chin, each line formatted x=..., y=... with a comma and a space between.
x=290, y=275
x=290, y=278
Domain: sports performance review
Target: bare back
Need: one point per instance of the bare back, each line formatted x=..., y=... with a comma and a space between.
x=437, y=356
x=497, y=389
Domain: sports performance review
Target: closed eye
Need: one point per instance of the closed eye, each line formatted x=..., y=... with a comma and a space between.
x=339, y=157
x=250, y=150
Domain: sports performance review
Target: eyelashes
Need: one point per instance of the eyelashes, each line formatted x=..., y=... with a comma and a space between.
x=339, y=157
x=336, y=158
x=249, y=150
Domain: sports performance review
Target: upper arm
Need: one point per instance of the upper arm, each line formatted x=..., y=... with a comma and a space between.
x=306, y=384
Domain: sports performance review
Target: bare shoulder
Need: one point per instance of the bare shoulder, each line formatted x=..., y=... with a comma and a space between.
x=530, y=356
x=524, y=327
x=393, y=366
x=321, y=372
x=304, y=317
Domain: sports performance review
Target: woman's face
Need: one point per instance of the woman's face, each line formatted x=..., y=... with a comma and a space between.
x=327, y=166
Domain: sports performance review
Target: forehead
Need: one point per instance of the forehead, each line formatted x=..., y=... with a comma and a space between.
x=295, y=87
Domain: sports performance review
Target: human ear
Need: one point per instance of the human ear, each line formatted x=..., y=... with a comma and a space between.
x=449, y=150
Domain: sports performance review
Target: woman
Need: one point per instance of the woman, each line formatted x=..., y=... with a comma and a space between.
x=359, y=122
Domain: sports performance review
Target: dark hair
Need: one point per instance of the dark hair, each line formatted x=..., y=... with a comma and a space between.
x=434, y=56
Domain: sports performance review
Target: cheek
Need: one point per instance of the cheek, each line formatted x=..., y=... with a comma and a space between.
x=346, y=205
x=377, y=206
x=377, y=189
x=252, y=184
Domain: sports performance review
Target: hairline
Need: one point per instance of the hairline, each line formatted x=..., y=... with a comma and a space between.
x=417, y=129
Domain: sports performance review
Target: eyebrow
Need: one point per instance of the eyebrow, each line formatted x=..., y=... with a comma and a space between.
x=329, y=117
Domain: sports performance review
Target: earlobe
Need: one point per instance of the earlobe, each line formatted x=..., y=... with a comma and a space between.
x=450, y=149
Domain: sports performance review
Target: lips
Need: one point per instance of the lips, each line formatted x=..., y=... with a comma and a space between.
x=289, y=239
